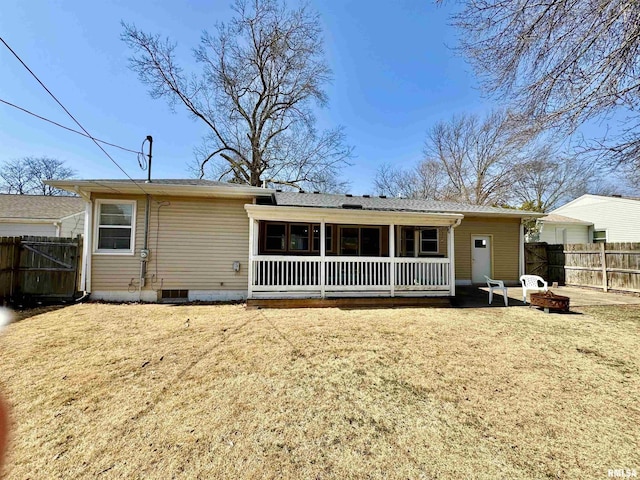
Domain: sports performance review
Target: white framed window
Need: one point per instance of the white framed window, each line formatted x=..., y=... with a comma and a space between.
x=115, y=227
x=599, y=236
x=429, y=240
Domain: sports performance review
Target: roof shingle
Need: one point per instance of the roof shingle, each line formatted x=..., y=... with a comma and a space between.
x=39, y=206
x=326, y=200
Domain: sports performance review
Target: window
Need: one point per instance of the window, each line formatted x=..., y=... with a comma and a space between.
x=115, y=226
x=370, y=242
x=275, y=238
x=408, y=241
x=349, y=241
x=363, y=241
x=328, y=238
x=296, y=238
x=429, y=240
x=299, y=237
x=599, y=236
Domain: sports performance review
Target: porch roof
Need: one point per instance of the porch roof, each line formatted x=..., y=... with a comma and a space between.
x=351, y=216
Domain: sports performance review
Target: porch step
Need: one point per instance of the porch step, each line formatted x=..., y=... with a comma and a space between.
x=349, y=302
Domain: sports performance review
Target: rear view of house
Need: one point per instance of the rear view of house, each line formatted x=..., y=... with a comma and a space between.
x=204, y=240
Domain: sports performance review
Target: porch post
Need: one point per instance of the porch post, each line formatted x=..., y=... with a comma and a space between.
x=322, y=259
x=392, y=260
x=252, y=252
x=452, y=263
x=521, y=251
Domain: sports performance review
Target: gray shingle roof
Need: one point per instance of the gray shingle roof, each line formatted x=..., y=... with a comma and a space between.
x=325, y=200
x=555, y=218
x=39, y=206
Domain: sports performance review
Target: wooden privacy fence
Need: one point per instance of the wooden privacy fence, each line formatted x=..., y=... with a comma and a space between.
x=545, y=260
x=610, y=266
x=39, y=268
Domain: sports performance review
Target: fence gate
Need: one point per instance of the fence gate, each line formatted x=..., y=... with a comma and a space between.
x=38, y=268
x=535, y=259
x=556, y=259
x=545, y=260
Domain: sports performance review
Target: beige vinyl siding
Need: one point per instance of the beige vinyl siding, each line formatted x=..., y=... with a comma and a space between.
x=505, y=246
x=72, y=226
x=193, y=247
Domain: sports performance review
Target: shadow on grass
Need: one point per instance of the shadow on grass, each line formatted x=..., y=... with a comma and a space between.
x=26, y=312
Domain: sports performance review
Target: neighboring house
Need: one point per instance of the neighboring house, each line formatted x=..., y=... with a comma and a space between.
x=593, y=218
x=41, y=215
x=210, y=240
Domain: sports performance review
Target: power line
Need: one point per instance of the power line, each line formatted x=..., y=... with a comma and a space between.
x=66, y=128
x=70, y=115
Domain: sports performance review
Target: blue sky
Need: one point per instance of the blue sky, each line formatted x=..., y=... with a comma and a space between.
x=394, y=72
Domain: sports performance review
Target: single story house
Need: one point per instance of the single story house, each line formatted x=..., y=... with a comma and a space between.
x=206, y=240
x=41, y=215
x=591, y=219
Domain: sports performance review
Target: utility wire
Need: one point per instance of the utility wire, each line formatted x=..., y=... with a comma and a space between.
x=72, y=117
x=66, y=128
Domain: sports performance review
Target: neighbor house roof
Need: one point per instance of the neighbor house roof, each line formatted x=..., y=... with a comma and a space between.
x=381, y=203
x=188, y=187
x=555, y=218
x=38, y=207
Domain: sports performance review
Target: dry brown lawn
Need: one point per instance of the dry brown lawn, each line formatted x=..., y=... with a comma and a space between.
x=157, y=391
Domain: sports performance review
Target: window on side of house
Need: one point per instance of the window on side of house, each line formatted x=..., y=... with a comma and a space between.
x=115, y=226
x=275, y=237
x=599, y=236
x=429, y=240
x=299, y=237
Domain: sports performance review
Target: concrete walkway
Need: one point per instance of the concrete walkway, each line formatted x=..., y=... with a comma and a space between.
x=475, y=297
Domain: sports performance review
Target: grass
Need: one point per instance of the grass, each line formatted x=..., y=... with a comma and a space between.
x=156, y=391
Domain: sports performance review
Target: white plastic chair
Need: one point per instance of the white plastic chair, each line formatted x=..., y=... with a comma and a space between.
x=532, y=283
x=497, y=285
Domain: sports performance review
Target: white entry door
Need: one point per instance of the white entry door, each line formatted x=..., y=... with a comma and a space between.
x=480, y=258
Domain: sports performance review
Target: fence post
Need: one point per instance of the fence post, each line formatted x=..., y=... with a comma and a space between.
x=603, y=261
x=15, y=273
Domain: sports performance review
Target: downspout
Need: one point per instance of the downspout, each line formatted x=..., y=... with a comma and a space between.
x=87, y=244
x=521, y=259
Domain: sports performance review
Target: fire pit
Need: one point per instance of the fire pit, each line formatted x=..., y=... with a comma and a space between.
x=550, y=301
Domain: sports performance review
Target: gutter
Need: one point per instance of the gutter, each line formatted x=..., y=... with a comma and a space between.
x=87, y=248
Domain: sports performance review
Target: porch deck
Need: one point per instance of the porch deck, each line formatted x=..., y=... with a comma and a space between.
x=349, y=302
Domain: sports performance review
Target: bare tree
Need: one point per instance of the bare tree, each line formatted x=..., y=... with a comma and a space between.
x=16, y=177
x=549, y=178
x=425, y=180
x=45, y=168
x=261, y=75
x=561, y=62
x=27, y=175
x=478, y=156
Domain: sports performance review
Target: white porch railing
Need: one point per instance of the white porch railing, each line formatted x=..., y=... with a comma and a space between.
x=289, y=276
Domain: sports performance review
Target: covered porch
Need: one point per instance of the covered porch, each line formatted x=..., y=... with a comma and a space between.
x=313, y=252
